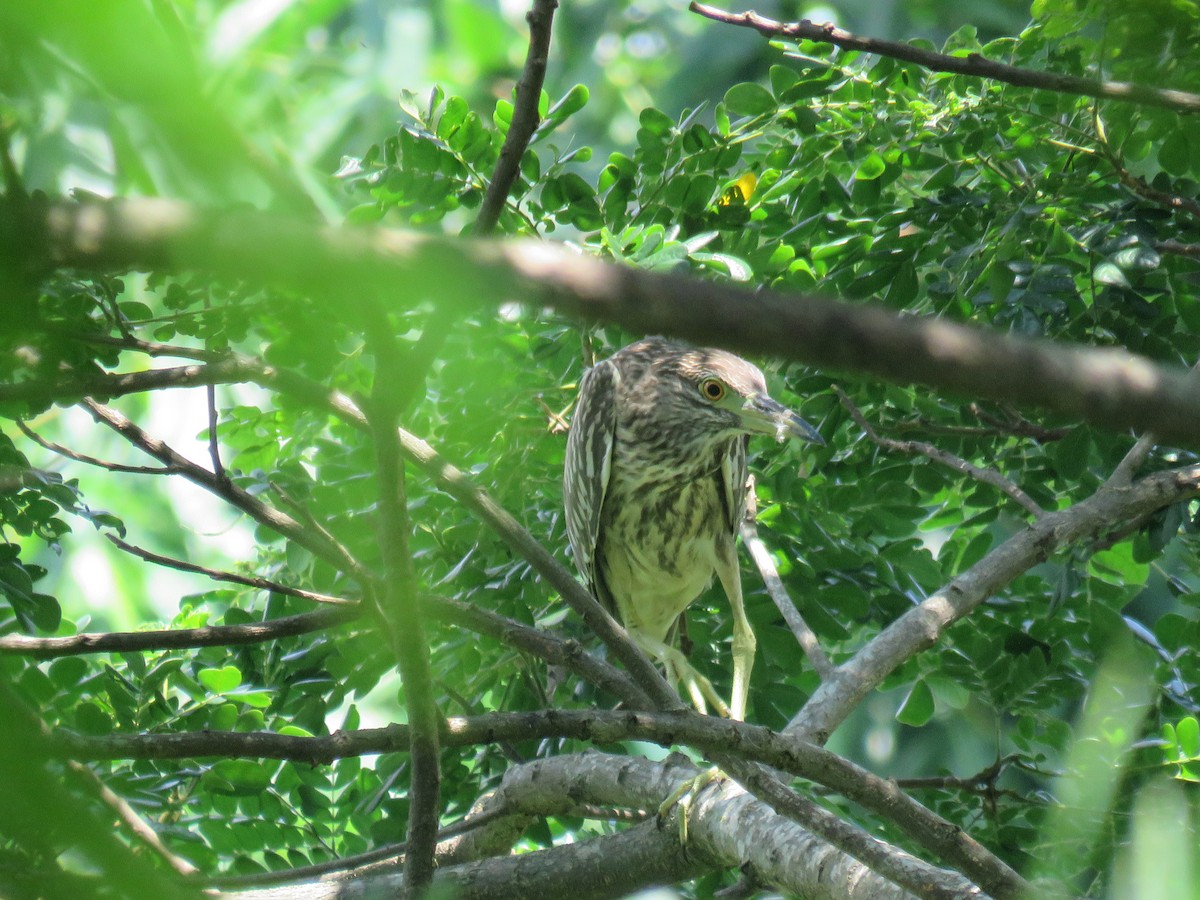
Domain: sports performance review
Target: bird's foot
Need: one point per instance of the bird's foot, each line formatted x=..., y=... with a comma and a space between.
x=685, y=796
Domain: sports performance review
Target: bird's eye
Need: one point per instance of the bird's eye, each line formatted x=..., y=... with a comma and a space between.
x=712, y=389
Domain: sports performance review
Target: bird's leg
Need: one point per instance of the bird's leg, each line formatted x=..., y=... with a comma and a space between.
x=744, y=642
x=680, y=671
x=685, y=796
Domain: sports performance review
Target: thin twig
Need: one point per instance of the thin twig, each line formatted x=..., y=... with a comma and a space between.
x=1179, y=248
x=942, y=457
x=178, y=638
x=68, y=453
x=524, y=118
x=971, y=64
x=150, y=348
x=267, y=515
x=253, y=581
x=214, y=450
x=1016, y=424
x=805, y=636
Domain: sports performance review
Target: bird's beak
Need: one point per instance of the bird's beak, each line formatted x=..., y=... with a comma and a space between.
x=762, y=415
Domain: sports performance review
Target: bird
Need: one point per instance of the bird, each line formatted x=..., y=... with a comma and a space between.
x=654, y=489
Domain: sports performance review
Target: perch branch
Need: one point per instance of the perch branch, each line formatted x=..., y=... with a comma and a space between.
x=748, y=743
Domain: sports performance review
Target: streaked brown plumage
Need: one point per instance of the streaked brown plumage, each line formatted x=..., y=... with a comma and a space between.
x=654, y=488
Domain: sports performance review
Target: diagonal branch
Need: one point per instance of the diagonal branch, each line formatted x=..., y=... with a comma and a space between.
x=253, y=581
x=761, y=556
x=922, y=626
x=524, y=118
x=971, y=64
x=273, y=518
x=942, y=457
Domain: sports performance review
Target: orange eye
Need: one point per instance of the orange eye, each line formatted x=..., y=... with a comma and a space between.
x=712, y=389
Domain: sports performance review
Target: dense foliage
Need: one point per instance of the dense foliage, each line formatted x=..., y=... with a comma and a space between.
x=1056, y=724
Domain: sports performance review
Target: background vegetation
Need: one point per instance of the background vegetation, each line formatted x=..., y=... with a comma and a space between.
x=1055, y=724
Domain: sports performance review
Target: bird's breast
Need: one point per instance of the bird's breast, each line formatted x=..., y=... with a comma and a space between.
x=658, y=544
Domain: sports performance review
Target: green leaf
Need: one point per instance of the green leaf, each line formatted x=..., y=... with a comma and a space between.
x=656, y=122
x=572, y=102
x=1110, y=273
x=1187, y=733
x=749, y=99
x=1175, y=153
x=870, y=168
x=220, y=681
x=904, y=287
x=917, y=708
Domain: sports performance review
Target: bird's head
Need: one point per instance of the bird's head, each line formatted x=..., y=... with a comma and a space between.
x=728, y=394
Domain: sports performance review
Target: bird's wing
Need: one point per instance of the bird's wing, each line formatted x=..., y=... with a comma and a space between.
x=588, y=463
x=733, y=482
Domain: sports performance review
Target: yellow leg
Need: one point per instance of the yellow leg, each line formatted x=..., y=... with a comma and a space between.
x=744, y=642
x=680, y=671
x=685, y=795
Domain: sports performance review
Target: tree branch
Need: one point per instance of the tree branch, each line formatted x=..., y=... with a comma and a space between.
x=942, y=457
x=971, y=64
x=761, y=556
x=1107, y=387
x=922, y=626
x=68, y=453
x=712, y=736
x=177, y=639
x=395, y=595
x=273, y=518
x=524, y=118
x=254, y=581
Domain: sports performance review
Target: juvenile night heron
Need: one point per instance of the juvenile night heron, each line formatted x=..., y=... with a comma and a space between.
x=655, y=488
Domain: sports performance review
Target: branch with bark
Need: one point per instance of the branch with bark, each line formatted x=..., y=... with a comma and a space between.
x=971, y=64
x=1107, y=387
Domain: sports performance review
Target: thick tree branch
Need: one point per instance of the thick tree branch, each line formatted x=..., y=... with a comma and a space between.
x=748, y=743
x=1107, y=387
x=613, y=865
x=922, y=626
x=972, y=64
